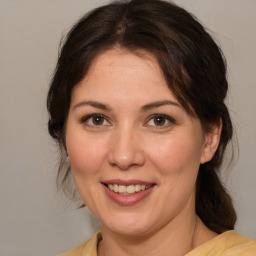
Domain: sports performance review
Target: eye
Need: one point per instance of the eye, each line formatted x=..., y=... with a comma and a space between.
x=160, y=120
x=95, y=120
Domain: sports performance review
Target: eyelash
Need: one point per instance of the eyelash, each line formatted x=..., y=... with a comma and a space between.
x=85, y=120
x=168, y=119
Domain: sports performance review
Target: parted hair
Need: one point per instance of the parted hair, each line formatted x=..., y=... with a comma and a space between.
x=191, y=62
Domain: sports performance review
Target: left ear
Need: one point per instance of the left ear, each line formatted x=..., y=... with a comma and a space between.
x=211, y=142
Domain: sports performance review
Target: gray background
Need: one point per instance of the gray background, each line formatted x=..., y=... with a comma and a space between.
x=35, y=220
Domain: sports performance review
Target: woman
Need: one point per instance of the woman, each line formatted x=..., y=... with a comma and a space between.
x=137, y=107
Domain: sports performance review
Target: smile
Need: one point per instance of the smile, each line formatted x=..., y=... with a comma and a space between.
x=127, y=190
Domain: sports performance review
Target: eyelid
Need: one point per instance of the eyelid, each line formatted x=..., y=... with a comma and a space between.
x=170, y=120
x=87, y=117
x=167, y=117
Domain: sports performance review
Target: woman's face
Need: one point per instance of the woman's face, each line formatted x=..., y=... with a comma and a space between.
x=133, y=150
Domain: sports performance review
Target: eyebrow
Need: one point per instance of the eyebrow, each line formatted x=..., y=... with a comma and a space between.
x=94, y=104
x=144, y=108
x=159, y=104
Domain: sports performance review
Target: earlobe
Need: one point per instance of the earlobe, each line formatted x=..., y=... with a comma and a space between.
x=211, y=142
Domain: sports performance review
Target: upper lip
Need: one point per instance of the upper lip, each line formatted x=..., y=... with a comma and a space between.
x=127, y=182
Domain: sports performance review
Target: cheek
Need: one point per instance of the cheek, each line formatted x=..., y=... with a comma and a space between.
x=85, y=154
x=177, y=162
x=176, y=155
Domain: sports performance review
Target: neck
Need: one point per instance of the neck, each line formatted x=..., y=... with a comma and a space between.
x=175, y=239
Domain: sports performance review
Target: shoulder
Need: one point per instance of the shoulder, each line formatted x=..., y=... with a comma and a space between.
x=226, y=244
x=88, y=248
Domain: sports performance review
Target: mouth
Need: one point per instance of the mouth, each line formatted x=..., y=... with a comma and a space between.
x=128, y=190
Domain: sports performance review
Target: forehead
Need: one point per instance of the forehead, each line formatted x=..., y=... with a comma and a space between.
x=123, y=72
x=129, y=63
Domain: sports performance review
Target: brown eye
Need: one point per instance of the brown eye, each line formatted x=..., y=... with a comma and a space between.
x=159, y=120
x=95, y=120
x=98, y=120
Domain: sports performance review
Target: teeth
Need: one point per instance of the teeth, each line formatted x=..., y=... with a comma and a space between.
x=127, y=190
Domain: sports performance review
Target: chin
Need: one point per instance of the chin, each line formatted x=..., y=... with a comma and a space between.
x=133, y=224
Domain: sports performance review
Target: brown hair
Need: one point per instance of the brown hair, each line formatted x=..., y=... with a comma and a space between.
x=192, y=64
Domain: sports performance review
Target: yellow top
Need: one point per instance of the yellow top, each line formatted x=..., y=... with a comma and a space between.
x=228, y=243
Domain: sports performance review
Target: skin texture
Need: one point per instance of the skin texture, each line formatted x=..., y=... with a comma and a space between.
x=127, y=144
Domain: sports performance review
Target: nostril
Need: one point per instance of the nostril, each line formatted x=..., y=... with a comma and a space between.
x=124, y=160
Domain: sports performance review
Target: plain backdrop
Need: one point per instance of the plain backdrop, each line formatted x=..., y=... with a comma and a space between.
x=34, y=219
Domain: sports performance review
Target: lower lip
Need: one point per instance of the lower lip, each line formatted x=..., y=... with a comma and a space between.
x=127, y=200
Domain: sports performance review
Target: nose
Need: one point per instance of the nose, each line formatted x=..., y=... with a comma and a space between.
x=126, y=149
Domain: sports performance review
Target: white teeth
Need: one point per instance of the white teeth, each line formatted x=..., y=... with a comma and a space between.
x=125, y=190
x=137, y=188
x=122, y=189
x=130, y=189
x=116, y=188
